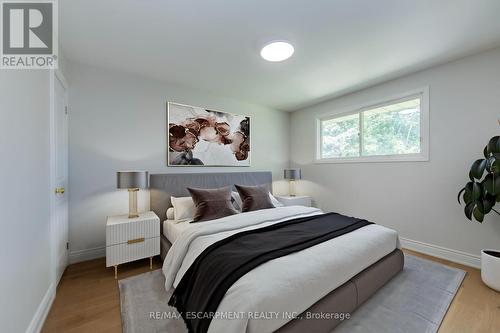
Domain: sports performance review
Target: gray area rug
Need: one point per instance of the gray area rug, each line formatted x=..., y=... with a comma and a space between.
x=416, y=300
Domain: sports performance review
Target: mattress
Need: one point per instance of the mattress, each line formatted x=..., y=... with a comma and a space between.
x=173, y=229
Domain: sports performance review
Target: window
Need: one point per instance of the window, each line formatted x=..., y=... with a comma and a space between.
x=394, y=130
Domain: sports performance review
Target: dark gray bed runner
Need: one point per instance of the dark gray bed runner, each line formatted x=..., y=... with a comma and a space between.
x=214, y=271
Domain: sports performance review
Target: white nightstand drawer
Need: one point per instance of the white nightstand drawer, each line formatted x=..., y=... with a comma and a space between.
x=137, y=249
x=120, y=229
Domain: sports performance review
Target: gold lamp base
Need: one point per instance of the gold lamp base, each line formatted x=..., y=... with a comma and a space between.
x=292, y=188
x=132, y=203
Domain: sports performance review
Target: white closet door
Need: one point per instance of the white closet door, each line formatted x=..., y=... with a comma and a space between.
x=60, y=165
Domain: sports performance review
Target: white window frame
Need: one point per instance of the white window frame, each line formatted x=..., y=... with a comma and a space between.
x=423, y=156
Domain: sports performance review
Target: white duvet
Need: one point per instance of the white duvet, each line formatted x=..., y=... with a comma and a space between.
x=269, y=294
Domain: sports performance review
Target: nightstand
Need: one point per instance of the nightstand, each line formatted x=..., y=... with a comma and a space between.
x=129, y=239
x=299, y=200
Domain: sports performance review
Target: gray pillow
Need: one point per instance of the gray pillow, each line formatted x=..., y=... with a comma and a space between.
x=254, y=197
x=212, y=204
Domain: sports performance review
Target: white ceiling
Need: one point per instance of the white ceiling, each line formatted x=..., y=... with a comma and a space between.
x=214, y=45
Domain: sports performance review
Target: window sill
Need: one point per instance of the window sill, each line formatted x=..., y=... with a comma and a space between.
x=374, y=159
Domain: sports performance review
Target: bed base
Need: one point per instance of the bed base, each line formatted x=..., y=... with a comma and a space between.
x=349, y=296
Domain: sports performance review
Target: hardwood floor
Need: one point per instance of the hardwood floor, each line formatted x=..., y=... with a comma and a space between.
x=476, y=308
x=87, y=297
x=87, y=300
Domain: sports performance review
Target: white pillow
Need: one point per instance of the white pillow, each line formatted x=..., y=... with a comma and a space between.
x=237, y=200
x=275, y=202
x=239, y=204
x=170, y=214
x=183, y=208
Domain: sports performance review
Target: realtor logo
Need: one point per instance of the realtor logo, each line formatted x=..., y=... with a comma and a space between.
x=29, y=34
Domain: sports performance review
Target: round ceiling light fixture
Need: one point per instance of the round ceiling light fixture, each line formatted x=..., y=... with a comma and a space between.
x=277, y=51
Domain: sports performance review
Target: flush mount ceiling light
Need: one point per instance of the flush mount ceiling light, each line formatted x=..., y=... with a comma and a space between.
x=277, y=51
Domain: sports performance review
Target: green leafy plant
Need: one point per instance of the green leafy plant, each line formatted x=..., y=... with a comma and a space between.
x=482, y=192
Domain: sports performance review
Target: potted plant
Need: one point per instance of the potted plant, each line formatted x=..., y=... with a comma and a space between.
x=480, y=195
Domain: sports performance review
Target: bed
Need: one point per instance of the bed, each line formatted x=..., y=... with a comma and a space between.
x=317, y=284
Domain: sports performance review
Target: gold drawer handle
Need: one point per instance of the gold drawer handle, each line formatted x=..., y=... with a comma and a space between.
x=59, y=190
x=137, y=240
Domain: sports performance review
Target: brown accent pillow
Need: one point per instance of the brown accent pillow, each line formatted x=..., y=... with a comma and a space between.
x=212, y=203
x=254, y=197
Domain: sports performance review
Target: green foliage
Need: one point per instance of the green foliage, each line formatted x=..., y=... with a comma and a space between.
x=389, y=133
x=481, y=194
x=385, y=132
x=340, y=137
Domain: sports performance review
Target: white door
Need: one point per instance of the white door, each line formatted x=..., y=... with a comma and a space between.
x=60, y=177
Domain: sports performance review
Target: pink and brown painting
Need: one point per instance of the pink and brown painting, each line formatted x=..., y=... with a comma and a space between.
x=202, y=137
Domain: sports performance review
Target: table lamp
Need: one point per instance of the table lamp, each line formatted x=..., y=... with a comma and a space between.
x=132, y=181
x=292, y=175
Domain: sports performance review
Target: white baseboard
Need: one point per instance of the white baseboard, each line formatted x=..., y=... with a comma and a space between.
x=41, y=313
x=87, y=254
x=459, y=257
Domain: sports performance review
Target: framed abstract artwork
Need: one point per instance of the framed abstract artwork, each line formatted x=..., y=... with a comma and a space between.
x=201, y=137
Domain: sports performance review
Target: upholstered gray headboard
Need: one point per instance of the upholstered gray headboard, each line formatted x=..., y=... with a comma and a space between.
x=163, y=186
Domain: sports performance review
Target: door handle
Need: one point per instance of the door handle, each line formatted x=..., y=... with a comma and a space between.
x=60, y=190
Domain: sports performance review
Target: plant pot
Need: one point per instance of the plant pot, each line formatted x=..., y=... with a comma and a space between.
x=490, y=268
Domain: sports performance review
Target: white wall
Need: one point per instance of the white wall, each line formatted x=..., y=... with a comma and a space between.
x=118, y=122
x=416, y=198
x=24, y=197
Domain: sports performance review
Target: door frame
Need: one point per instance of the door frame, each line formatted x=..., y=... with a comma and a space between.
x=54, y=74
